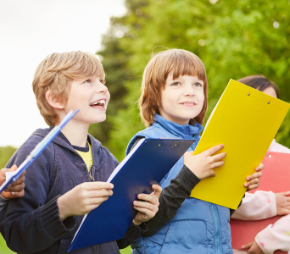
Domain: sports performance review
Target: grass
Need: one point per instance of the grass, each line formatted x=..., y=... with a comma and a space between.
x=124, y=251
x=5, y=250
x=3, y=247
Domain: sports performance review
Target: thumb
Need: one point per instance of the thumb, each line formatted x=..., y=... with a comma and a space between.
x=284, y=211
x=285, y=194
x=13, y=168
x=214, y=149
x=157, y=190
x=247, y=246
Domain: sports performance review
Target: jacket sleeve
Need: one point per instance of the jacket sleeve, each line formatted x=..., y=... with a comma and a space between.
x=171, y=199
x=257, y=206
x=3, y=202
x=275, y=237
x=33, y=211
x=132, y=235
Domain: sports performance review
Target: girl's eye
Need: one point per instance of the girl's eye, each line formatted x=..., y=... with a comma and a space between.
x=176, y=84
x=197, y=84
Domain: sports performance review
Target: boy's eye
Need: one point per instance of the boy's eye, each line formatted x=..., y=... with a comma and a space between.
x=88, y=81
x=103, y=81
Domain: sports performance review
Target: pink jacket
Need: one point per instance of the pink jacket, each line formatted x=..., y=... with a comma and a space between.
x=253, y=207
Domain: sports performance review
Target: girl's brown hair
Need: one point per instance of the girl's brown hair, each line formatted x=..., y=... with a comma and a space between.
x=259, y=82
x=56, y=72
x=180, y=62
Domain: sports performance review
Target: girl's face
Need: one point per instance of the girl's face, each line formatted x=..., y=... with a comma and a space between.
x=270, y=91
x=182, y=99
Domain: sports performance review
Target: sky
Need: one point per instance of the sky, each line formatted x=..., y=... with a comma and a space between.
x=29, y=31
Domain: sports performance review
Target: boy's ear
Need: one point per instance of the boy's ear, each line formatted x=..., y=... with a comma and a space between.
x=53, y=101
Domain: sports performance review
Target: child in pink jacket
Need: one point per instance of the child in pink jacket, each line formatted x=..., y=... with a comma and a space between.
x=253, y=206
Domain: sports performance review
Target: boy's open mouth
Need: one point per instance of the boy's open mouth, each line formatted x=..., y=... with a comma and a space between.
x=97, y=104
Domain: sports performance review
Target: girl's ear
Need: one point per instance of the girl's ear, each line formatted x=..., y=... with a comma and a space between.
x=53, y=101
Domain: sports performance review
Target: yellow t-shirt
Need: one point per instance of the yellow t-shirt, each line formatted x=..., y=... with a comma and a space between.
x=87, y=156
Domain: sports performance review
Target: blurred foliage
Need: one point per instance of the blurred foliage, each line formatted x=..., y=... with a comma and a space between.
x=3, y=247
x=115, y=60
x=126, y=251
x=5, y=154
x=233, y=38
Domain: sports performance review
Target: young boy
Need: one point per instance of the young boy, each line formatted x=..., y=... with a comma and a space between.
x=60, y=184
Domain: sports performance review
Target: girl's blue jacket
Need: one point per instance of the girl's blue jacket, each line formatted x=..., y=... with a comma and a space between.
x=199, y=227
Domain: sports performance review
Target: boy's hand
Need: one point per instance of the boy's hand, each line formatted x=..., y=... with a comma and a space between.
x=16, y=189
x=148, y=209
x=283, y=203
x=253, y=247
x=202, y=164
x=83, y=198
x=254, y=179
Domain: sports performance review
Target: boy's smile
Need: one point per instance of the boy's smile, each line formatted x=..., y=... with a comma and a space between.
x=182, y=99
x=100, y=104
x=91, y=96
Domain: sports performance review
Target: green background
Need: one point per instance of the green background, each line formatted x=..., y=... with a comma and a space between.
x=233, y=38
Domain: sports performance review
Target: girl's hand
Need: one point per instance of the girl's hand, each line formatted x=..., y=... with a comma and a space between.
x=149, y=208
x=283, y=203
x=254, y=179
x=83, y=198
x=203, y=164
x=16, y=189
x=253, y=247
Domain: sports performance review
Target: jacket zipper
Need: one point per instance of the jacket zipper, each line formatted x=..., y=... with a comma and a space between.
x=90, y=174
x=215, y=217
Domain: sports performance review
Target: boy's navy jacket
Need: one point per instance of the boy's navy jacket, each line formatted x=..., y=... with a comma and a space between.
x=198, y=226
x=31, y=224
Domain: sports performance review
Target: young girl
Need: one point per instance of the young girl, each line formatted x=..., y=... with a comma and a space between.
x=173, y=105
x=253, y=206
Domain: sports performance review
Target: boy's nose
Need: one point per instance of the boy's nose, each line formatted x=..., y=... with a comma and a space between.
x=189, y=90
x=101, y=88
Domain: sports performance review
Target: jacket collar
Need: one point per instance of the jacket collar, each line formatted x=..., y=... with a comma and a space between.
x=61, y=140
x=186, y=131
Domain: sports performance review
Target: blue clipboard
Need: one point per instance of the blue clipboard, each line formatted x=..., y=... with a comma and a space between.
x=149, y=161
x=37, y=150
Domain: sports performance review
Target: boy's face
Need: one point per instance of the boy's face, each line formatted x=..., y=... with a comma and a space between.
x=182, y=98
x=91, y=96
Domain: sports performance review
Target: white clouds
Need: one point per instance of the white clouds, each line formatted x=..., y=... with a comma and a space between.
x=29, y=31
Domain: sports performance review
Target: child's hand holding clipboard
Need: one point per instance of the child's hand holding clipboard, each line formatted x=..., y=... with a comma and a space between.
x=13, y=176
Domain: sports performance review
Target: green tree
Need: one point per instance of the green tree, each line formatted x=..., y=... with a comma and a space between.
x=114, y=60
x=233, y=39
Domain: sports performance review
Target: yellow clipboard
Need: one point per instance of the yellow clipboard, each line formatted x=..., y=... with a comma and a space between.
x=245, y=120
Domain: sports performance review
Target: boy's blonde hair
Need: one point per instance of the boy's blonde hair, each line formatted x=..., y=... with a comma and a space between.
x=180, y=62
x=56, y=72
